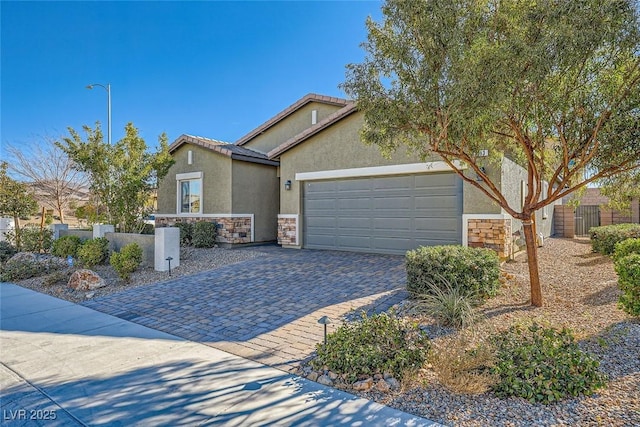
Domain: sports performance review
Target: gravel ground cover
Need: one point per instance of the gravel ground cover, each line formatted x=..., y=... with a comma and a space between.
x=580, y=292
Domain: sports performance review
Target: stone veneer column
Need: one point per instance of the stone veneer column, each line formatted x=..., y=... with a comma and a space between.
x=231, y=229
x=490, y=233
x=288, y=230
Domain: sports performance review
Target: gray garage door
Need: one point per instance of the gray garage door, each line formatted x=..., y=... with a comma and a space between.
x=383, y=214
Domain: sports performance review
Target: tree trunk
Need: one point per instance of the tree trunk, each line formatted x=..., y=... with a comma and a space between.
x=532, y=259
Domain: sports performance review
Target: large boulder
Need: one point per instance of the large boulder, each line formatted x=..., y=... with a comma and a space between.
x=85, y=280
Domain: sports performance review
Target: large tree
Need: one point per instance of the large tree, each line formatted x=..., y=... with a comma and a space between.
x=50, y=171
x=15, y=200
x=122, y=176
x=552, y=84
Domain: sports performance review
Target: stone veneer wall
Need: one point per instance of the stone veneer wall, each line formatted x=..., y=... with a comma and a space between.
x=287, y=231
x=490, y=233
x=230, y=230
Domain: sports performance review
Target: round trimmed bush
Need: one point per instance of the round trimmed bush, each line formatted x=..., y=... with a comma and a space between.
x=475, y=270
x=94, y=251
x=66, y=245
x=628, y=269
x=127, y=260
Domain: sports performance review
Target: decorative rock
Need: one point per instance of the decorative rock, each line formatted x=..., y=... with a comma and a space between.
x=90, y=295
x=332, y=375
x=364, y=385
x=393, y=383
x=307, y=370
x=325, y=380
x=377, y=377
x=23, y=257
x=313, y=376
x=387, y=375
x=85, y=280
x=383, y=386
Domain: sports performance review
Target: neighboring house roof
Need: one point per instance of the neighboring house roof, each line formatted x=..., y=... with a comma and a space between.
x=345, y=111
x=224, y=148
x=311, y=97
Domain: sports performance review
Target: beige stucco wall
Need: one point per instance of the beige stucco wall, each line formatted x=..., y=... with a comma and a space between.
x=255, y=190
x=216, y=180
x=290, y=126
x=337, y=147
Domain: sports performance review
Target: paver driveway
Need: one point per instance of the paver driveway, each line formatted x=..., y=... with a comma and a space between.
x=265, y=309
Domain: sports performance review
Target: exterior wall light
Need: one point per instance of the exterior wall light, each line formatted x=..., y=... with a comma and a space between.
x=287, y=185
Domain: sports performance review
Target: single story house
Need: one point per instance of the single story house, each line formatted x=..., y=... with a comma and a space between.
x=305, y=179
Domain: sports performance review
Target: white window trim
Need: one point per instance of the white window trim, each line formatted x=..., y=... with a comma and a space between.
x=410, y=168
x=189, y=176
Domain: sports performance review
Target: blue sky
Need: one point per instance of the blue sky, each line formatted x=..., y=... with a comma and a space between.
x=213, y=69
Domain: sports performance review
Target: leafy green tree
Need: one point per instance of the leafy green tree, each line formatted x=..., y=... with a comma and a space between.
x=122, y=176
x=552, y=84
x=621, y=190
x=15, y=200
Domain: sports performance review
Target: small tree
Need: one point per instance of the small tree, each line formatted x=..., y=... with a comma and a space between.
x=551, y=84
x=15, y=200
x=122, y=176
x=50, y=171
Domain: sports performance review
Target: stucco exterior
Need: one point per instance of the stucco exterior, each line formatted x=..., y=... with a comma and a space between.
x=255, y=190
x=292, y=125
x=337, y=147
x=216, y=180
x=318, y=138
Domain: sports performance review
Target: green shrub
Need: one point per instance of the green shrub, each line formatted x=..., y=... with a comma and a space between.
x=628, y=269
x=32, y=239
x=26, y=265
x=93, y=252
x=475, y=270
x=204, y=234
x=543, y=365
x=448, y=304
x=186, y=232
x=376, y=344
x=66, y=245
x=127, y=260
x=7, y=250
x=604, y=239
x=626, y=247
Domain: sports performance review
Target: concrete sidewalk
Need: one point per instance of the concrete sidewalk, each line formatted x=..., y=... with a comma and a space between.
x=64, y=365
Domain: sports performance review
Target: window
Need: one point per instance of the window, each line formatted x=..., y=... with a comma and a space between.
x=189, y=193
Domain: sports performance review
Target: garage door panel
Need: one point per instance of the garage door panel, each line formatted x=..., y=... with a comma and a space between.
x=434, y=224
x=355, y=203
x=383, y=214
x=393, y=183
x=353, y=185
x=355, y=223
x=314, y=222
x=392, y=202
x=348, y=242
x=397, y=224
x=391, y=243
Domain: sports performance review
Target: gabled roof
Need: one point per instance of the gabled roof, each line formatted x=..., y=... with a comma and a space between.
x=311, y=97
x=345, y=111
x=224, y=148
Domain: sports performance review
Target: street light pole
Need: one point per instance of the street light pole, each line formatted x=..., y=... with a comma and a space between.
x=108, y=89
